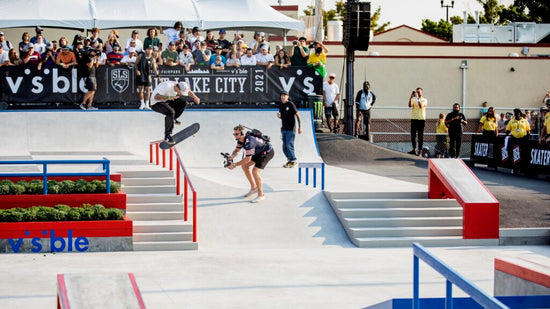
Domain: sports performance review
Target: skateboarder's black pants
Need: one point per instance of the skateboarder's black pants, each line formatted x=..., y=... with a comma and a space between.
x=172, y=110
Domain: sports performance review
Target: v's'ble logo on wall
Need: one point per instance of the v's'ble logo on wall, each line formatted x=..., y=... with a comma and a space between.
x=120, y=79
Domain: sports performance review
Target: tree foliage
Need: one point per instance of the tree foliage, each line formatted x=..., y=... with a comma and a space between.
x=442, y=29
x=526, y=10
x=374, y=22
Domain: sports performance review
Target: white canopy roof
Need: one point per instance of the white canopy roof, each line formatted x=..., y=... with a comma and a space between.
x=86, y=14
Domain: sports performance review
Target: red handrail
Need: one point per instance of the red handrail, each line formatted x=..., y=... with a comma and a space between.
x=186, y=181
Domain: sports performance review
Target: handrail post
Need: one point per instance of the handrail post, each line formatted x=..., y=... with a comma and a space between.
x=315, y=177
x=164, y=158
x=416, y=300
x=45, y=178
x=157, y=152
x=107, y=169
x=449, y=295
x=150, y=153
x=323, y=176
x=299, y=175
x=307, y=176
x=194, y=216
x=178, y=189
x=185, y=197
x=171, y=159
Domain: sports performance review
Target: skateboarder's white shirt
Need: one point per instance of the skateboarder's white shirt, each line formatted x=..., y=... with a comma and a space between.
x=165, y=89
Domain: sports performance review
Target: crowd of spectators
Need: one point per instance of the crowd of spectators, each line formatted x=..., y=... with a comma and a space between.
x=184, y=47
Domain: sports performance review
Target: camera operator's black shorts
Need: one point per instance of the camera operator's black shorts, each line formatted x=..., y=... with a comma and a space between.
x=90, y=84
x=262, y=160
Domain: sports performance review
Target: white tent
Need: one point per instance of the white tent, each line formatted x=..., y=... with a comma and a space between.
x=105, y=14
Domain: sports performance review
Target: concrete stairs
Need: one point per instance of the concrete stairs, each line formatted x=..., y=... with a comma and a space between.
x=156, y=210
x=398, y=219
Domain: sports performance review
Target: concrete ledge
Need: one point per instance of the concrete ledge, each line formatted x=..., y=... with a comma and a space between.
x=524, y=236
x=515, y=276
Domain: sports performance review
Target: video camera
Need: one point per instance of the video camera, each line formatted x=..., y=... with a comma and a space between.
x=227, y=160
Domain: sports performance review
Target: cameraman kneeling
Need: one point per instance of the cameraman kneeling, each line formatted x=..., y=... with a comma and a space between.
x=258, y=152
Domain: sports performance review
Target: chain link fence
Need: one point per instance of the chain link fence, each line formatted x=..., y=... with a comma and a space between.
x=390, y=126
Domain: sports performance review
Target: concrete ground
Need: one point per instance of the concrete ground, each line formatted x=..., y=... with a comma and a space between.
x=289, y=251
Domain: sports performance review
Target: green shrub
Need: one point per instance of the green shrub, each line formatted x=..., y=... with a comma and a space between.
x=60, y=213
x=7, y=187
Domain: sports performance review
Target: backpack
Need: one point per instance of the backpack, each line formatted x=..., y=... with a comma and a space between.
x=257, y=133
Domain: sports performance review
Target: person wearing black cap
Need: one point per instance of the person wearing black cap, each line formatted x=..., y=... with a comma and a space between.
x=172, y=34
x=38, y=31
x=222, y=42
x=288, y=113
x=364, y=100
x=299, y=53
x=518, y=126
x=134, y=38
x=455, y=121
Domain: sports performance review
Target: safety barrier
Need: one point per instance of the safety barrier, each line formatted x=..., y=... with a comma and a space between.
x=314, y=166
x=45, y=174
x=154, y=152
x=452, y=277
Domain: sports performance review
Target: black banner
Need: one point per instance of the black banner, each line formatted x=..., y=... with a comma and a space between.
x=526, y=155
x=247, y=84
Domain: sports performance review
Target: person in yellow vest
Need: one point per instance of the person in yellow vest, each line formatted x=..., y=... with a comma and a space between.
x=441, y=137
x=418, y=119
x=545, y=134
x=488, y=123
x=518, y=126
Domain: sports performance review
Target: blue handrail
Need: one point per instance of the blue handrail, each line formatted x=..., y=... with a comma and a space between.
x=106, y=164
x=452, y=277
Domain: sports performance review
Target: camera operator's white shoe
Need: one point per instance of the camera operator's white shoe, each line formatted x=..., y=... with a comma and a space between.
x=257, y=199
x=142, y=105
x=251, y=192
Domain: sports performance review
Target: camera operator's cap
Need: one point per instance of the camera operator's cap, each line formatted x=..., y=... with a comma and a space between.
x=332, y=75
x=38, y=28
x=222, y=31
x=131, y=50
x=284, y=92
x=184, y=88
x=261, y=34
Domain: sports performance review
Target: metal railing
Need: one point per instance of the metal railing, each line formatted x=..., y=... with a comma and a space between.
x=106, y=164
x=452, y=277
x=154, y=157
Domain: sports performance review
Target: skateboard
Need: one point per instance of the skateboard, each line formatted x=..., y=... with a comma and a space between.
x=181, y=135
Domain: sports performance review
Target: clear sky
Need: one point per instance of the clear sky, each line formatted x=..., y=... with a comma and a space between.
x=408, y=12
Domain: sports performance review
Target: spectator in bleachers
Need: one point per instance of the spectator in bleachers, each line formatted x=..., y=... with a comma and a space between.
x=32, y=56
x=484, y=108
x=151, y=39
x=172, y=34
x=179, y=45
x=195, y=36
x=4, y=57
x=112, y=41
x=48, y=57
x=115, y=56
x=54, y=46
x=63, y=41
x=262, y=41
x=527, y=116
x=102, y=56
x=331, y=95
x=210, y=40
x=185, y=58
x=249, y=58
x=299, y=53
x=217, y=52
x=25, y=40
x=87, y=42
x=13, y=55
x=264, y=58
x=5, y=43
x=254, y=43
x=157, y=56
x=233, y=61
x=78, y=39
x=237, y=37
x=223, y=42
x=146, y=67
x=133, y=45
x=94, y=38
x=39, y=44
x=38, y=30
x=282, y=60
x=202, y=55
x=130, y=58
x=218, y=63
x=441, y=138
x=66, y=58
x=488, y=124
x=183, y=38
x=242, y=47
x=546, y=99
x=138, y=44
x=317, y=60
x=545, y=115
x=170, y=56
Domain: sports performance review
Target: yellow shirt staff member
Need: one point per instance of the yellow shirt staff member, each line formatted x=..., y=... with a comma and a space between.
x=518, y=126
x=488, y=123
x=545, y=135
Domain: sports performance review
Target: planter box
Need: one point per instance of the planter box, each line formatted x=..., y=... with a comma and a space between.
x=114, y=177
x=112, y=200
x=66, y=236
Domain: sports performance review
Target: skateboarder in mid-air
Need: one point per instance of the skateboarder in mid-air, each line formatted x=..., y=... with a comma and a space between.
x=168, y=99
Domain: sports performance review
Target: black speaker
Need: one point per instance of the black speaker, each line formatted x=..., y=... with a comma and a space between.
x=357, y=25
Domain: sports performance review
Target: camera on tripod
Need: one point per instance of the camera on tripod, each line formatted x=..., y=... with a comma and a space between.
x=227, y=159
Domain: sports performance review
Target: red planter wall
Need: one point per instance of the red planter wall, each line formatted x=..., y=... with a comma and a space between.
x=113, y=200
x=114, y=177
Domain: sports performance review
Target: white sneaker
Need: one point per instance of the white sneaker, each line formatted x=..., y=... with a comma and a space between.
x=148, y=106
x=251, y=192
x=142, y=106
x=258, y=199
x=82, y=107
x=91, y=108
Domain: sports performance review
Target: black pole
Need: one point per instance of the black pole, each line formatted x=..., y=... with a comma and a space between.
x=350, y=58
